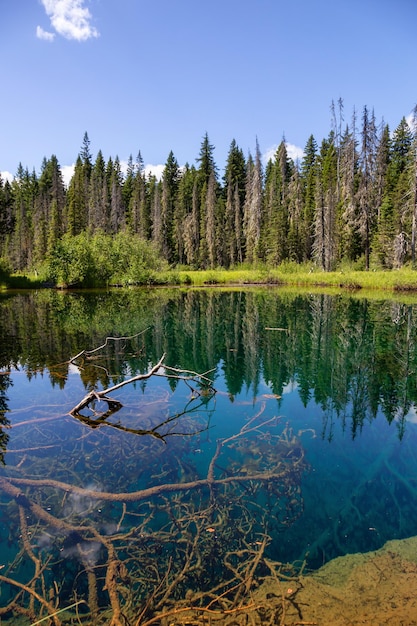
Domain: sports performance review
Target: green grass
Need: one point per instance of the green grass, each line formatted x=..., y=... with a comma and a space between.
x=404, y=279
x=288, y=274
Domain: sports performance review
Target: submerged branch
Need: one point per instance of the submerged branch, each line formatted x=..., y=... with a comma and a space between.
x=102, y=395
x=188, y=376
x=143, y=494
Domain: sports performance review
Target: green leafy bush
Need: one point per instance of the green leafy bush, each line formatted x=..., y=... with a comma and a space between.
x=87, y=260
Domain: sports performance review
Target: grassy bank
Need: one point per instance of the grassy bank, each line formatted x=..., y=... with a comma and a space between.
x=404, y=279
x=289, y=274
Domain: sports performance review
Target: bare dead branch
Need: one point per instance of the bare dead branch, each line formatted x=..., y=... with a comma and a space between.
x=102, y=395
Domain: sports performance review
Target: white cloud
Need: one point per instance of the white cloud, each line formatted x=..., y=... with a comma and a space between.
x=411, y=120
x=67, y=173
x=69, y=18
x=6, y=176
x=43, y=34
x=294, y=152
x=155, y=170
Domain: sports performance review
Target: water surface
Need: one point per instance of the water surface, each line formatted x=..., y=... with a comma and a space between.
x=306, y=451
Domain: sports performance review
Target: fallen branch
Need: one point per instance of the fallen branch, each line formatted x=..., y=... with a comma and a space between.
x=102, y=395
x=202, y=380
x=174, y=555
x=135, y=496
x=51, y=609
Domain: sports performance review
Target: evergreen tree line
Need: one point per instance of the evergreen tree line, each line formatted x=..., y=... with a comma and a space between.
x=352, y=198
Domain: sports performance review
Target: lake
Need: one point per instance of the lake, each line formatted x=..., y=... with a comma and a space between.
x=279, y=433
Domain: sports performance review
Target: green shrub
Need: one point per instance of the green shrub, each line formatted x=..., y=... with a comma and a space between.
x=87, y=260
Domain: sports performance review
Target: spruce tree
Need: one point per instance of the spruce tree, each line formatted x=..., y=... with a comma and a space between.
x=77, y=212
x=98, y=197
x=183, y=211
x=234, y=198
x=366, y=186
x=139, y=219
x=20, y=243
x=127, y=189
x=210, y=226
x=308, y=185
x=192, y=227
x=7, y=219
x=413, y=185
x=117, y=217
x=48, y=222
x=325, y=236
x=398, y=186
x=170, y=180
x=295, y=217
x=155, y=193
x=207, y=171
x=348, y=215
x=274, y=229
x=253, y=205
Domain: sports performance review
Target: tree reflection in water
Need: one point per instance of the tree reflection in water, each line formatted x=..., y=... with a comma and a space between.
x=159, y=515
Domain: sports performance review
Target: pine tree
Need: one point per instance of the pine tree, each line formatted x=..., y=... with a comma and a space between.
x=348, y=217
x=48, y=223
x=308, y=183
x=86, y=160
x=206, y=160
x=274, y=229
x=127, y=189
x=192, y=227
x=366, y=187
x=117, y=217
x=325, y=243
x=207, y=171
x=183, y=211
x=401, y=185
x=7, y=219
x=295, y=217
x=170, y=180
x=384, y=233
x=98, y=197
x=139, y=218
x=210, y=226
x=20, y=243
x=86, y=156
x=253, y=205
x=413, y=185
x=383, y=158
x=234, y=195
x=77, y=213
x=156, y=213
x=383, y=241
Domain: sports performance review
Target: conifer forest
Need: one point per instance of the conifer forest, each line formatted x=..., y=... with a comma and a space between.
x=351, y=198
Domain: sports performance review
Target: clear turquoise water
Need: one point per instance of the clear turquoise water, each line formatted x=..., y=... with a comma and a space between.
x=330, y=396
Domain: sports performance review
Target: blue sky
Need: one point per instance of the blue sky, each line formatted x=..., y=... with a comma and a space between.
x=156, y=76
